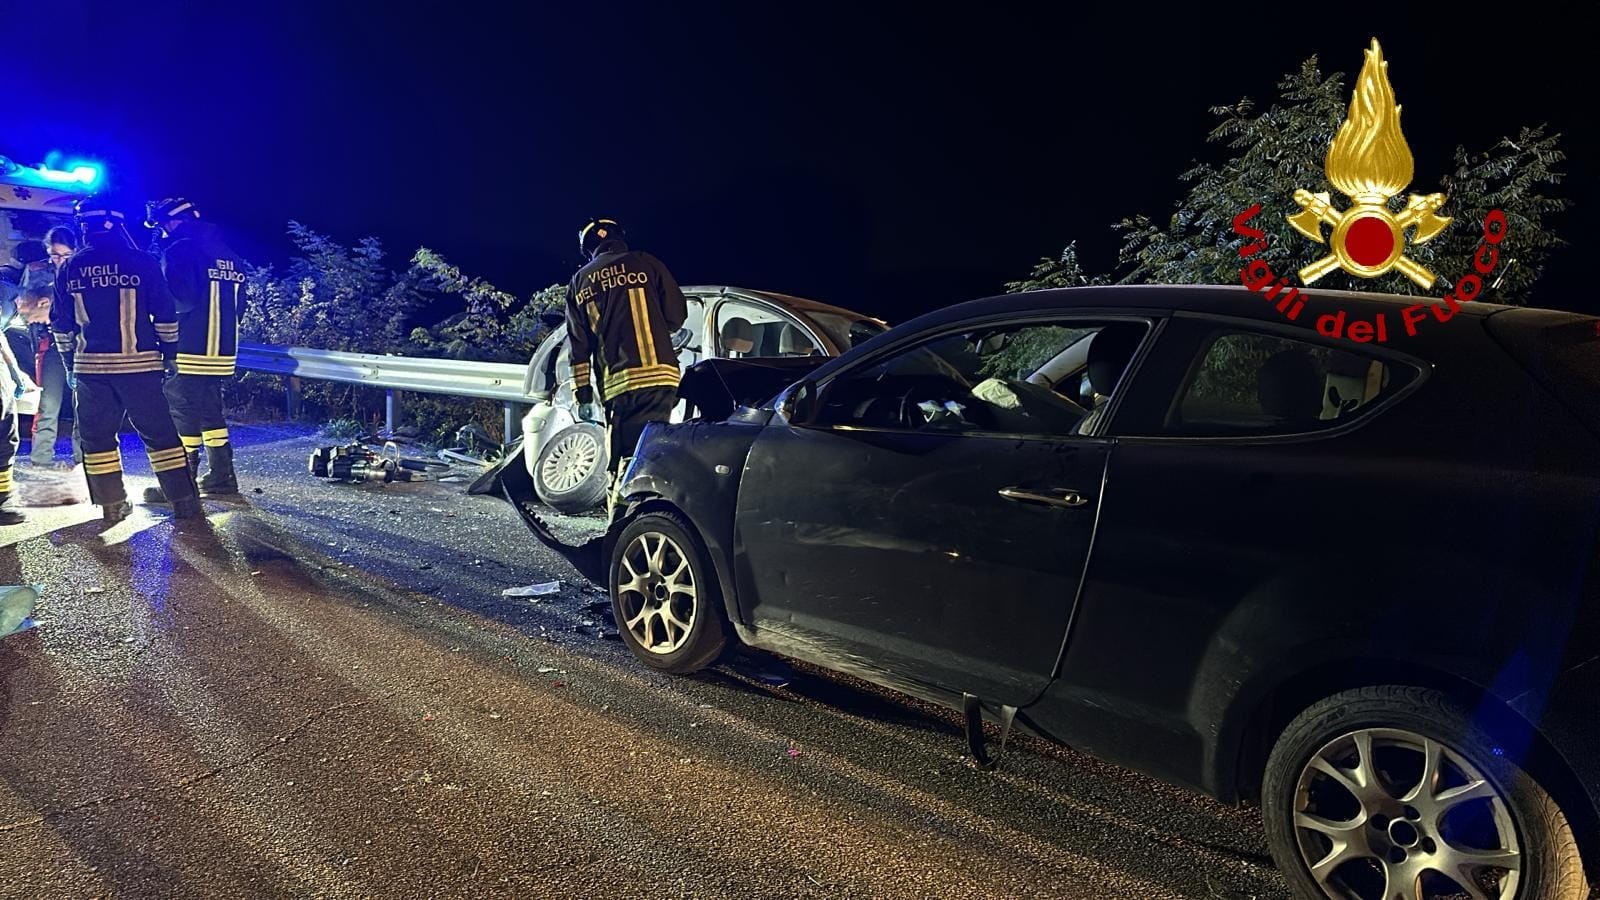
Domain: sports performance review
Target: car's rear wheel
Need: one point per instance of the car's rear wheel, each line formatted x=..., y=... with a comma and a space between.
x=1391, y=792
x=664, y=595
x=570, y=475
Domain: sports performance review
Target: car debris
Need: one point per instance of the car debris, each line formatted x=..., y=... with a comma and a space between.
x=16, y=605
x=540, y=589
x=357, y=463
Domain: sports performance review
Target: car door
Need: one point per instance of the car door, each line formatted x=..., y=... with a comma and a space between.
x=1255, y=467
x=925, y=520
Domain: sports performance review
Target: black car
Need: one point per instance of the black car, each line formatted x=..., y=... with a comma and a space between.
x=1356, y=582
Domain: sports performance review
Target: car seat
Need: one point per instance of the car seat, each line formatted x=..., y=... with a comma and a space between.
x=793, y=342
x=738, y=336
x=1290, y=387
x=1109, y=354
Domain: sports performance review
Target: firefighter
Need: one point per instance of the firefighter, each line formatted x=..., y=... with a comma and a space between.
x=207, y=279
x=115, y=320
x=11, y=387
x=623, y=308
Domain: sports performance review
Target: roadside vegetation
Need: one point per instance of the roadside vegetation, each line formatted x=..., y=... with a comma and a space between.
x=334, y=296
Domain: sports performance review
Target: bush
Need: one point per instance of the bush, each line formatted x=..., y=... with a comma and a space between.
x=336, y=297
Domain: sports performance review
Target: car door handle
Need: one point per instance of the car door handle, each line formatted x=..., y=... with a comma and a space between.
x=1067, y=499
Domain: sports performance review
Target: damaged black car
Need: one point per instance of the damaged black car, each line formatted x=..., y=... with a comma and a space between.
x=1356, y=582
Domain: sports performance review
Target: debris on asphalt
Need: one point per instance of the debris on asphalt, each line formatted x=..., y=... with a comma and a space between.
x=793, y=751
x=773, y=679
x=94, y=590
x=598, y=607
x=16, y=605
x=539, y=589
x=546, y=670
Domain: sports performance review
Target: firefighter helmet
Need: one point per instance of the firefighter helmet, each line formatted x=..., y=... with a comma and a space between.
x=597, y=232
x=162, y=211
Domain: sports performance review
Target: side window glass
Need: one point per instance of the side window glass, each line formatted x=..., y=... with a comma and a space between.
x=1013, y=380
x=1259, y=384
x=745, y=329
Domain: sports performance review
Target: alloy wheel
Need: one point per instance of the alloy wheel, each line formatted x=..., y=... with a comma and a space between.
x=570, y=461
x=656, y=596
x=1387, y=814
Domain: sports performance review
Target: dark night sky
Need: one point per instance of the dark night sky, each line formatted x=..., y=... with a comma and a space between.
x=893, y=160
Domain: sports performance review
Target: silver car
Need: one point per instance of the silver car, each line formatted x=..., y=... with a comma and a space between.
x=567, y=458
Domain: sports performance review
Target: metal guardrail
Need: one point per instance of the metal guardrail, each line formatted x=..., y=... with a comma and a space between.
x=449, y=377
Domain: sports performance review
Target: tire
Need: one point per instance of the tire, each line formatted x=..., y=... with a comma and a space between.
x=651, y=619
x=570, y=475
x=1315, y=770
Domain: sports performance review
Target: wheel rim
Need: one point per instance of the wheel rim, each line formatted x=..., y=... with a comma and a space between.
x=1383, y=813
x=656, y=592
x=570, y=461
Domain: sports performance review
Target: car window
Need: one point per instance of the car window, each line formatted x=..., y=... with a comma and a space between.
x=747, y=329
x=847, y=331
x=983, y=381
x=1244, y=383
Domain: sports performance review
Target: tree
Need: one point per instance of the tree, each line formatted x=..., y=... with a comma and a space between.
x=493, y=326
x=337, y=297
x=1276, y=150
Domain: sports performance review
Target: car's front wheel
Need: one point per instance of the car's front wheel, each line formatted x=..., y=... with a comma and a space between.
x=1393, y=792
x=570, y=474
x=664, y=595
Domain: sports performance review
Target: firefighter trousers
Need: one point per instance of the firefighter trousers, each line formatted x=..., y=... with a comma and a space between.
x=103, y=401
x=8, y=447
x=196, y=402
x=628, y=413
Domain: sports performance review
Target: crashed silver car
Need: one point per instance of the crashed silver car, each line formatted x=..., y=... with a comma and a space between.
x=566, y=458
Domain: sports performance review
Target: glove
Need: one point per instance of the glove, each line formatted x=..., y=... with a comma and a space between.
x=72, y=381
x=169, y=366
x=587, y=413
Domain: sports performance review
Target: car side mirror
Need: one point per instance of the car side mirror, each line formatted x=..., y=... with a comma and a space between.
x=798, y=403
x=682, y=338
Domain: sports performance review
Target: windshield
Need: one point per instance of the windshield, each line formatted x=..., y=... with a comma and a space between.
x=846, y=331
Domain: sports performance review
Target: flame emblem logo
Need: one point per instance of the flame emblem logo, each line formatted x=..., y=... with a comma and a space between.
x=1370, y=163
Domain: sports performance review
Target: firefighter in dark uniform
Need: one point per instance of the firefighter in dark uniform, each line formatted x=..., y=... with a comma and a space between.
x=115, y=319
x=11, y=385
x=207, y=279
x=623, y=308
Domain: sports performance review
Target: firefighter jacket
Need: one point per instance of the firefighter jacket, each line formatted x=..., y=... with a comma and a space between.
x=622, y=310
x=113, y=308
x=207, y=278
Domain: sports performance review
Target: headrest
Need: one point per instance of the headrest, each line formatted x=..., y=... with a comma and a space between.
x=1110, y=352
x=793, y=342
x=738, y=336
x=1289, y=386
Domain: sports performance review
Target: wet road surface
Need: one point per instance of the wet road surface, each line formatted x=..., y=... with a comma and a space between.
x=324, y=694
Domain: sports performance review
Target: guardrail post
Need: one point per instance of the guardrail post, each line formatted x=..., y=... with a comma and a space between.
x=391, y=411
x=510, y=425
x=292, y=397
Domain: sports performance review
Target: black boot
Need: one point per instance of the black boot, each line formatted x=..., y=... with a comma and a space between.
x=10, y=515
x=116, y=512
x=219, y=479
x=158, y=496
x=188, y=508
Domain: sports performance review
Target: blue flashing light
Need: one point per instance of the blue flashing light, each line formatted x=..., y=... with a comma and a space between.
x=74, y=175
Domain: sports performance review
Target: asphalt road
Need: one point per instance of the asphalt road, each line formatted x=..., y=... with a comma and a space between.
x=324, y=694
